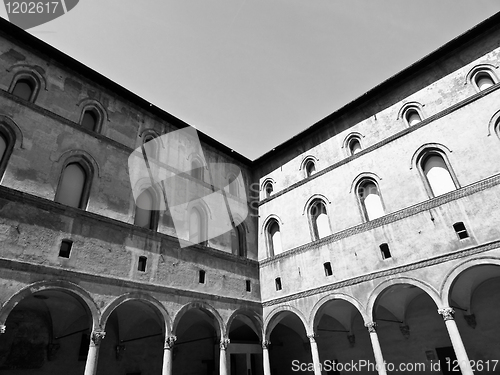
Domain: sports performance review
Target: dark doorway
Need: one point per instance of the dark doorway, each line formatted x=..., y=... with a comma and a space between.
x=448, y=360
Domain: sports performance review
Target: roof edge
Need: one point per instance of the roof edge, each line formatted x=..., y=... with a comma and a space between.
x=12, y=31
x=467, y=36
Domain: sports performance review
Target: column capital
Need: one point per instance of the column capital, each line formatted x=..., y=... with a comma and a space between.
x=312, y=337
x=96, y=337
x=266, y=344
x=371, y=326
x=447, y=313
x=3, y=327
x=169, y=342
x=224, y=342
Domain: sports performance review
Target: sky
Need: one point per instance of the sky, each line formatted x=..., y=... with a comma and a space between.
x=254, y=73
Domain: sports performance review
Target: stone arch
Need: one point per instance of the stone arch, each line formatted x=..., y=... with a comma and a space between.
x=336, y=296
x=204, y=307
x=456, y=271
x=64, y=286
x=313, y=198
x=69, y=155
x=428, y=146
x=93, y=103
x=143, y=297
x=364, y=176
x=265, y=223
x=269, y=321
x=253, y=316
x=494, y=124
x=380, y=288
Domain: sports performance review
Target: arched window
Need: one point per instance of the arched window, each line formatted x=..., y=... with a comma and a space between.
x=144, y=212
x=268, y=189
x=196, y=169
x=483, y=80
x=7, y=141
x=354, y=145
x=26, y=84
x=24, y=89
x=437, y=173
x=150, y=147
x=370, y=199
x=3, y=147
x=482, y=77
x=90, y=120
x=274, y=238
x=196, y=226
x=73, y=186
x=318, y=219
x=310, y=168
x=412, y=117
x=238, y=242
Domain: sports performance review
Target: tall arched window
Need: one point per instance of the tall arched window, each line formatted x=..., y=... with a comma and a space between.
x=24, y=89
x=370, y=199
x=196, y=169
x=238, y=245
x=437, y=174
x=150, y=147
x=274, y=238
x=354, y=145
x=7, y=141
x=268, y=189
x=196, y=226
x=89, y=120
x=3, y=147
x=144, y=213
x=73, y=186
x=319, y=220
x=310, y=168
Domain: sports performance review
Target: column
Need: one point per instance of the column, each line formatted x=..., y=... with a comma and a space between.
x=315, y=354
x=377, y=350
x=167, y=355
x=3, y=327
x=224, y=342
x=95, y=340
x=456, y=340
x=265, y=357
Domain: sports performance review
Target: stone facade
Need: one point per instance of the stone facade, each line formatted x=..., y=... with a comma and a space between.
x=372, y=237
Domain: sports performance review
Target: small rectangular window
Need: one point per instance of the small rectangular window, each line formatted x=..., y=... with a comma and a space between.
x=328, y=269
x=248, y=285
x=460, y=230
x=142, y=264
x=386, y=253
x=201, y=277
x=277, y=281
x=65, y=249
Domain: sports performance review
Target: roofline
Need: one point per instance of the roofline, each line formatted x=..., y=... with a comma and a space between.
x=12, y=31
x=403, y=74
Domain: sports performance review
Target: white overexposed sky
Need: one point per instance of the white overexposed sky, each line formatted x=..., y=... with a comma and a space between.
x=253, y=73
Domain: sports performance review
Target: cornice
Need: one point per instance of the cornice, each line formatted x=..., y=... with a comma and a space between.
x=381, y=274
x=72, y=275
